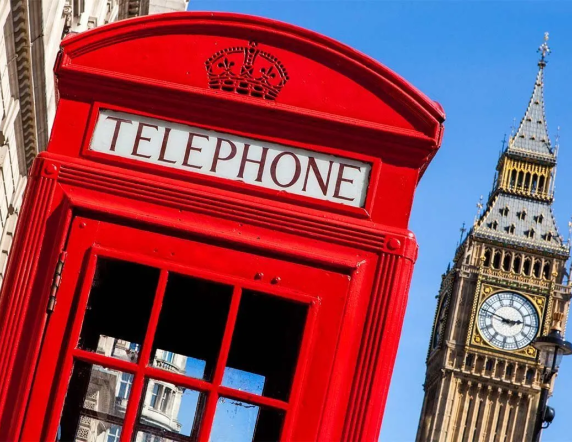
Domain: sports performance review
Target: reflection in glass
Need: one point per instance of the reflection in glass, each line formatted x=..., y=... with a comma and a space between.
x=169, y=410
x=265, y=345
x=118, y=309
x=237, y=421
x=191, y=326
x=95, y=403
x=243, y=380
x=148, y=437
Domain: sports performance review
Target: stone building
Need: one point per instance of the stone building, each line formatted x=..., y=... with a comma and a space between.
x=29, y=43
x=505, y=288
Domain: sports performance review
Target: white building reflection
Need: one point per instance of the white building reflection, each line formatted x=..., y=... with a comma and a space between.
x=109, y=391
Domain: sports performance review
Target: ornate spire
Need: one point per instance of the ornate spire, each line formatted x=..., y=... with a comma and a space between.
x=531, y=138
x=544, y=50
x=519, y=210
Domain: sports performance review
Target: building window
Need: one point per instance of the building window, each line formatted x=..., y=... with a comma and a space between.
x=489, y=365
x=506, y=262
x=125, y=385
x=154, y=394
x=487, y=262
x=509, y=370
x=168, y=356
x=161, y=398
x=548, y=236
x=469, y=361
x=530, y=233
x=165, y=399
x=497, y=260
x=541, y=185
x=511, y=229
x=516, y=264
x=534, y=183
x=526, y=267
x=504, y=211
x=114, y=433
x=536, y=268
x=529, y=375
x=522, y=214
x=546, y=271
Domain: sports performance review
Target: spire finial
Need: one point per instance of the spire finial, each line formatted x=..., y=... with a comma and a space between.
x=513, y=127
x=479, y=208
x=463, y=230
x=544, y=50
x=569, y=230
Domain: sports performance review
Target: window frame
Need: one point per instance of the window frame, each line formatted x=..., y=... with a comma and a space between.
x=143, y=369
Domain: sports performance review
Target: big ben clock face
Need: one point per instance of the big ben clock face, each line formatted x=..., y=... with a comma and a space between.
x=508, y=321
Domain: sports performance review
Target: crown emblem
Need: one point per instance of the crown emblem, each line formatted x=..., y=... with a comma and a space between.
x=246, y=71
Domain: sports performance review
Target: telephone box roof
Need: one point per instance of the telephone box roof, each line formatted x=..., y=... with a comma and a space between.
x=322, y=78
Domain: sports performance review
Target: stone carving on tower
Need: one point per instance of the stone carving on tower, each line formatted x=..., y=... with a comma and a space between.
x=504, y=289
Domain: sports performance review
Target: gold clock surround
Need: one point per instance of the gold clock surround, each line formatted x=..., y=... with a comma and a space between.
x=475, y=339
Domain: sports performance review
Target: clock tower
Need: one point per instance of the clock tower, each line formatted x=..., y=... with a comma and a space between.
x=505, y=289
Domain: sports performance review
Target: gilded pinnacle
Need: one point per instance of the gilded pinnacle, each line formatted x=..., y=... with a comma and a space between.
x=544, y=50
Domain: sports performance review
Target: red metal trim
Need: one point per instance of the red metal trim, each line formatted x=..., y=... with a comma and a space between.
x=66, y=370
x=253, y=398
x=212, y=399
x=276, y=32
x=144, y=356
x=104, y=361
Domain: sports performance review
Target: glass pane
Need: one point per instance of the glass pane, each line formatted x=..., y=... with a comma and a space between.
x=237, y=421
x=95, y=394
x=191, y=326
x=94, y=430
x=118, y=309
x=265, y=345
x=148, y=437
x=169, y=410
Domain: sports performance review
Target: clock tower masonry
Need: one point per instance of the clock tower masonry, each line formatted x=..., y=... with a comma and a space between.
x=505, y=289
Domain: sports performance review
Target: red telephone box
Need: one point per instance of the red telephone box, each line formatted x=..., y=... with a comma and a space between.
x=215, y=245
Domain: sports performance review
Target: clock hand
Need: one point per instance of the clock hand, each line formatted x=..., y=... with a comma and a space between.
x=503, y=319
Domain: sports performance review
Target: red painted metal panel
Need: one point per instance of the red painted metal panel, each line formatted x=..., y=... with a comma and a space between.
x=350, y=265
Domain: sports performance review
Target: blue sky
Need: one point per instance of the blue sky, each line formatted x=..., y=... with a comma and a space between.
x=478, y=60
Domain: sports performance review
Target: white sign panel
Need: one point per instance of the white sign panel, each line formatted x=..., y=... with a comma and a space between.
x=269, y=165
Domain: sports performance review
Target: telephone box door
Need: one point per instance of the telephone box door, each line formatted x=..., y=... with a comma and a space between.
x=158, y=337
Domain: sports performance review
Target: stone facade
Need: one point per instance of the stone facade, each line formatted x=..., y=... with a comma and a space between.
x=29, y=43
x=505, y=288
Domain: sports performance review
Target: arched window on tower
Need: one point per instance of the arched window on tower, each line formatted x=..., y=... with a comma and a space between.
x=546, y=270
x=526, y=267
x=529, y=375
x=509, y=370
x=541, y=184
x=534, y=186
x=497, y=260
x=506, y=262
x=536, y=268
x=489, y=365
x=516, y=262
x=512, y=183
x=469, y=361
x=487, y=262
x=527, y=181
x=520, y=180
